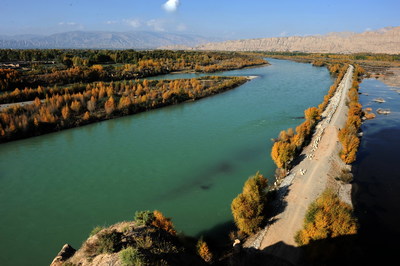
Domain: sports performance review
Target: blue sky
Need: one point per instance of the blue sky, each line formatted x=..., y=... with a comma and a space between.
x=228, y=19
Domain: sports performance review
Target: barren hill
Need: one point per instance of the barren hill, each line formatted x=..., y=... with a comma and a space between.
x=386, y=40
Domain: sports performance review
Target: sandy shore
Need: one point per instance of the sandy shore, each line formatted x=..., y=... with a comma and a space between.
x=391, y=77
x=308, y=179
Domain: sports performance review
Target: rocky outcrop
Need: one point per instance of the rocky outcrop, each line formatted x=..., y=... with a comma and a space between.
x=66, y=252
x=386, y=40
x=141, y=244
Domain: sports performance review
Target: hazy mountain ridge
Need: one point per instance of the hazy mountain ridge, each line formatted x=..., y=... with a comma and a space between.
x=386, y=40
x=102, y=40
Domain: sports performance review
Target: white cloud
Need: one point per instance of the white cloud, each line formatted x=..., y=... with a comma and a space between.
x=283, y=34
x=171, y=5
x=134, y=23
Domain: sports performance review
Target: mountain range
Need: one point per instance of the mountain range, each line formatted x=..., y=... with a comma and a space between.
x=102, y=40
x=386, y=40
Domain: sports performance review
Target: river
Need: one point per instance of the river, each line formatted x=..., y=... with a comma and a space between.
x=188, y=161
x=377, y=175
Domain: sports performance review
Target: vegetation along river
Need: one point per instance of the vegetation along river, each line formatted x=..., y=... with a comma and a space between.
x=188, y=161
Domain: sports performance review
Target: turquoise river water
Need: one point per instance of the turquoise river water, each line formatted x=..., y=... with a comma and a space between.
x=188, y=161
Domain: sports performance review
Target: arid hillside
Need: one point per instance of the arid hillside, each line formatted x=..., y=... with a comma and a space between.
x=386, y=40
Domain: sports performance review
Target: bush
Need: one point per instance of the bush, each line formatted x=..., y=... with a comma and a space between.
x=108, y=242
x=96, y=230
x=144, y=217
x=327, y=217
x=163, y=223
x=131, y=256
x=204, y=251
x=345, y=176
x=248, y=207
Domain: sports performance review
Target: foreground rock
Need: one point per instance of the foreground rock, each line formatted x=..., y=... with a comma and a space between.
x=126, y=243
x=66, y=252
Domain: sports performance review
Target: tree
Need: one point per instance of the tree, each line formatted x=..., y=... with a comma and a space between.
x=248, y=207
x=327, y=217
x=109, y=105
x=204, y=251
x=65, y=112
x=91, y=105
x=162, y=222
x=76, y=106
x=312, y=114
x=282, y=153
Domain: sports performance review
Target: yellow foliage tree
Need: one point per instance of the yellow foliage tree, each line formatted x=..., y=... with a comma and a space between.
x=248, y=206
x=162, y=222
x=204, y=251
x=65, y=112
x=327, y=217
x=109, y=105
x=282, y=153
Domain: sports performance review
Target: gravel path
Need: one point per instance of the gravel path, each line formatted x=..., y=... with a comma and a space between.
x=307, y=180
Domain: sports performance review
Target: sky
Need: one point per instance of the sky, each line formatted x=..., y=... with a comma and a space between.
x=225, y=19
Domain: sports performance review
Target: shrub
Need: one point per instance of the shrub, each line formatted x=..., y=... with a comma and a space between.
x=327, y=217
x=204, y=251
x=162, y=222
x=248, y=206
x=144, y=217
x=96, y=230
x=345, y=176
x=108, y=242
x=131, y=256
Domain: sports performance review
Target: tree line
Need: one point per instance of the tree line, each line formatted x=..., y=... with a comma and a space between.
x=348, y=135
x=100, y=101
x=71, y=66
x=290, y=143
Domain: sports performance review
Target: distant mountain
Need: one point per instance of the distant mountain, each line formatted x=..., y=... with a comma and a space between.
x=102, y=40
x=386, y=40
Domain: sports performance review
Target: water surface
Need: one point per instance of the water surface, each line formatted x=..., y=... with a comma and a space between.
x=377, y=173
x=188, y=161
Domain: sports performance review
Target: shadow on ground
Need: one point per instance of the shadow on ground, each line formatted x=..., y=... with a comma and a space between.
x=345, y=250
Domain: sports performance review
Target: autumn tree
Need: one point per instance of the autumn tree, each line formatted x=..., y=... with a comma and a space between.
x=327, y=217
x=248, y=207
x=76, y=106
x=282, y=153
x=65, y=112
x=91, y=104
x=162, y=222
x=109, y=106
x=312, y=114
x=204, y=251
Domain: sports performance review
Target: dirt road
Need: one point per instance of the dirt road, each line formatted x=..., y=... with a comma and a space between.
x=309, y=178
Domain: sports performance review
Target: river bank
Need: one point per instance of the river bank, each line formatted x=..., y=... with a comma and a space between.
x=319, y=163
